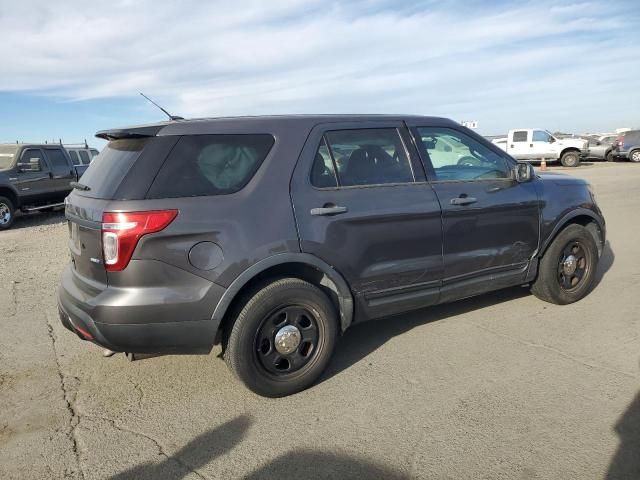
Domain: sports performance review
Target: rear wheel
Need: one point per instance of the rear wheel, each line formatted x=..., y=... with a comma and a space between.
x=570, y=159
x=283, y=338
x=635, y=156
x=609, y=156
x=7, y=212
x=567, y=269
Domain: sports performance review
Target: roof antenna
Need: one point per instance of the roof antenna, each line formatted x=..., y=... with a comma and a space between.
x=171, y=117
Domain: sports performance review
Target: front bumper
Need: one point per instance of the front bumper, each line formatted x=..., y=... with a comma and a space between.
x=127, y=320
x=620, y=154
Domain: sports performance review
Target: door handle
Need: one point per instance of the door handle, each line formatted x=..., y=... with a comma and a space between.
x=328, y=210
x=463, y=200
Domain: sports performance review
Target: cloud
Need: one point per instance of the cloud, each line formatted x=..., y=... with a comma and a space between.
x=464, y=59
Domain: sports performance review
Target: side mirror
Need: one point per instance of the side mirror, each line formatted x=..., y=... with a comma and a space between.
x=552, y=140
x=598, y=143
x=524, y=172
x=32, y=166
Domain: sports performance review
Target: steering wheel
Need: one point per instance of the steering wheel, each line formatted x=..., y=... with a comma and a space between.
x=469, y=162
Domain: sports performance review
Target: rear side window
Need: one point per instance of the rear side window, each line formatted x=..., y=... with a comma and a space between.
x=201, y=165
x=57, y=158
x=520, y=136
x=84, y=156
x=74, y=157
x=108, y=169
x=372, y=156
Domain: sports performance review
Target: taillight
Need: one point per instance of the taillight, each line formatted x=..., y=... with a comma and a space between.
x=621, y=141
x=121, y=232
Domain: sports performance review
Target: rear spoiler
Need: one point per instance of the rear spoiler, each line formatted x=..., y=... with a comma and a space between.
x=133, y=132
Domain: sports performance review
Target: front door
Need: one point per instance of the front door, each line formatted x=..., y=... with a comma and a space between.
x=362, y=205
x=490, y=221
x=33, y=178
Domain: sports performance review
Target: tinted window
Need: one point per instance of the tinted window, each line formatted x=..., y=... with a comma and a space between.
x=322, y=172
x=456, y=156
x=84, y=156
x=210, y=165
x=74, y=157
x=540, y=136
x=57, y=158
x=32, y=154
x=520, y=136
x=107, y=170
x=369, y=156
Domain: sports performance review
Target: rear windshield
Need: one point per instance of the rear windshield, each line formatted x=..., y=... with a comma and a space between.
x=7, y=152
x=210, y=165
x=108, y=169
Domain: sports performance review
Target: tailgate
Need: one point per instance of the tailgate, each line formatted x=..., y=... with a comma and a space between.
x=84, y=216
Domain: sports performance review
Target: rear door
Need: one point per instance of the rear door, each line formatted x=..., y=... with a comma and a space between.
x=62, y=172
x=490, y=222
x=363, y=206
x=519, y=142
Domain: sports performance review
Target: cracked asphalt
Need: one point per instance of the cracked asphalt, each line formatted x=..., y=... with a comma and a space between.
x=499, y=386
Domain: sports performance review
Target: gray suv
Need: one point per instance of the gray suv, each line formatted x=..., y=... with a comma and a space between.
x=273, y=235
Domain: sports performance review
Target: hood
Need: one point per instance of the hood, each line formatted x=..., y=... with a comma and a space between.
x=561, y=178
x=573, y=142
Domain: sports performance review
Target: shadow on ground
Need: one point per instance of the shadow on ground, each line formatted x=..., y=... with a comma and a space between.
x=303, y=464
x=626, y=461
x=192, y=456
x=25, y=220
x=311, y=464
x=362, y=339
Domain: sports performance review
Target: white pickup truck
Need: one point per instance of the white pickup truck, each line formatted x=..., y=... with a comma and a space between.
x=533, y=144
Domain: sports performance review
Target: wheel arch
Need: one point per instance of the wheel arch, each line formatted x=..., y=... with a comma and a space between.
x=8, y=192
x=582, y=216
x=569, y=149
x=299, y=265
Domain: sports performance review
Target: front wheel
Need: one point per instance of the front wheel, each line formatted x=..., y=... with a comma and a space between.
x=635, y=156
x=566, y=270
x=283, y=338
x=7, y=211
x=570, y=159
x=609, y=156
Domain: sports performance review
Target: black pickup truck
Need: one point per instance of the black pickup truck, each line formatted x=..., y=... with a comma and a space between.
x=34, y=177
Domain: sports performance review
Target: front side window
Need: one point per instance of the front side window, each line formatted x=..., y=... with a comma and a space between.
x=520, y=136
x=541, y=136
x=456, y=156
x=201, y=165
x=33, y=157
x=372, y=156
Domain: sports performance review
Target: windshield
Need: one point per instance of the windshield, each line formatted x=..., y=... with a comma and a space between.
x=7, y=152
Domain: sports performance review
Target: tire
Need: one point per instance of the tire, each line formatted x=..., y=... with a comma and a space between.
x=251, y=352
x=555, y=282
x=570, y=159
x=609, y=156
x=7, y=213
x=634, y=156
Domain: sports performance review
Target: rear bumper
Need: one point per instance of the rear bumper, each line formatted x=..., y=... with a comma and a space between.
x=129, y=320
x=620, y=154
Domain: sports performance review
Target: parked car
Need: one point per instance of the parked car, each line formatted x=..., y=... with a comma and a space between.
x=532, y=144
x=273, y=235
x=601, y=147
x=627, y=146
x=81, y=154
x=34, y=177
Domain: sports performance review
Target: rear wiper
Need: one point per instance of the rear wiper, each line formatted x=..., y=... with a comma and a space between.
x=80, y=186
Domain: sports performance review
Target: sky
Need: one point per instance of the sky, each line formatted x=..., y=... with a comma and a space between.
x=69, y=69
